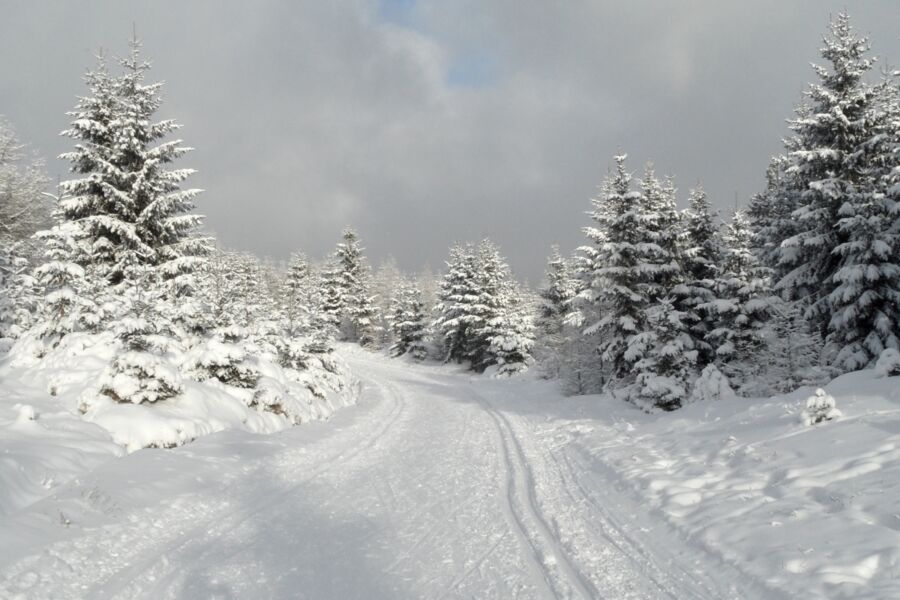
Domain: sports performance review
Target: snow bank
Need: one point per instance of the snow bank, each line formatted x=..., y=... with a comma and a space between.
x=814, y=511
x=55, y=423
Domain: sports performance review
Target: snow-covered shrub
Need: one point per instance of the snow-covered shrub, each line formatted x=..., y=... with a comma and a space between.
x=222, y=357
x=888, y=364
x=711, y=385
x=819, y=407
x=139, y=377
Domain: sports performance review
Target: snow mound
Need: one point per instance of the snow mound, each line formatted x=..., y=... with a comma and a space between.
x=888, y=364
x=58, y=417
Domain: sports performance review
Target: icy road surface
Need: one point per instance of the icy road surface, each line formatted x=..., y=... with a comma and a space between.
x=435, y=486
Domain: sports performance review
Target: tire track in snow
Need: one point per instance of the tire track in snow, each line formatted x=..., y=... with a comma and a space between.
x=542, y=546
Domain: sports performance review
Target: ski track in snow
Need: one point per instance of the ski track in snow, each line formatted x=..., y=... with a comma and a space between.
x=432, y=488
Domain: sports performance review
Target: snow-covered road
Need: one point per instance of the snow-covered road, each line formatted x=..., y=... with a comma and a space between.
x=435, y=486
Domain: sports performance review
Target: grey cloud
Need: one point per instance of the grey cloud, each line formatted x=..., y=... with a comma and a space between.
x=310, y=115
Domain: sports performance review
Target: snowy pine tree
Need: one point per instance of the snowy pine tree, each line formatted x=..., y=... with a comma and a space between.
x=741, y=305
x=864, y=304
x=661, y=270
x=130, y=206
x=23, y=211
x=668, y=363
x=839, y=262
x=410, y=327
x=358, y=310
x=386, y=285
x=66, y=306
x=481, y=316
x=138, y=372
x=701, y=255
x=298, y=296
x=457, y=293
x=556, y=303
x=620, y=259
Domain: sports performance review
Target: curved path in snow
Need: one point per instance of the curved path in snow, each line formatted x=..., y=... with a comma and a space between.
x=433, y=487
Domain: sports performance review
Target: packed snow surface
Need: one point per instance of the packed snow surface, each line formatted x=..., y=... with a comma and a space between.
x=440, y=484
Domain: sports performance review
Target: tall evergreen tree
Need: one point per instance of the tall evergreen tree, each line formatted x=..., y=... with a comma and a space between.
x=616, y=282
x=701, y=255
x=830, y=164
x=298, y=298
x=864, y=304
x=409, y=323
x=741, y=306
x=135, y=218
x=457, y=293
x=358, y=311
x=24, y=209
x=556, y=304
x=662, y=270
x=129, y=203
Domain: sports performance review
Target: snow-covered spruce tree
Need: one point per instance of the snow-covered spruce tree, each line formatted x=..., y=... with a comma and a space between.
x=835, y=262
x=501, y=330
x=23, y=211
x=770, y=217
x=359, y=314
x=322, y=331
x=556, y=303
x=129, y=204
x=457, y=292
x=620, y=258
x=386, y=285
x=429, y=284
x=790, y=355
x=481, y=317
x=701, y=255
x=665, y=371
x=332, y=297
x=512, y=332
x=488, y=287
x=304, y=330
x=410, y=327
x=66, y=306
x=741, y=305
x=136, y=220
x=223, y=353
x=138, y=372
x=864, y=303
x=298, y=296
x=662, y=270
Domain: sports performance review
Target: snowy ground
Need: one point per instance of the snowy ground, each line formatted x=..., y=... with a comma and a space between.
x=443, y=485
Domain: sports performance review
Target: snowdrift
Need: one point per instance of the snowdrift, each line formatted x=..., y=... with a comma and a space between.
x=55, y=423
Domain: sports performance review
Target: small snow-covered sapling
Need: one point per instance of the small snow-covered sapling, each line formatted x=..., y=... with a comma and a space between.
x=819, y=407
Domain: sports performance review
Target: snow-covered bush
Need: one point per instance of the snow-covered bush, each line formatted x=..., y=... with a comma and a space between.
x=888, y=364
x=223, y=358
x=711, y=385
x=819, y=407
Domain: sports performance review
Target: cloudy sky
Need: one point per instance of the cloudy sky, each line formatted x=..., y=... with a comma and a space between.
x=423, y=122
